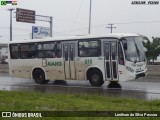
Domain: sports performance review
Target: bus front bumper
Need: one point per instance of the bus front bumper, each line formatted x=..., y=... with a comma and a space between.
x=139, y=75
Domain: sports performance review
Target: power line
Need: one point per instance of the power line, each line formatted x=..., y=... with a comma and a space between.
x=129, y=23
x=4, y=27
x=14, y=35
x=101, y=25
x=74, y=22
x=22, y=29
x=82, y=28
x=139, y=22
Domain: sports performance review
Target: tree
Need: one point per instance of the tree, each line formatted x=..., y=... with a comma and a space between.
x=153, y=48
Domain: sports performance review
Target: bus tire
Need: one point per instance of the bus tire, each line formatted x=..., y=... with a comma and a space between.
x=39, y=76
x=114, y=84
x=95, y=78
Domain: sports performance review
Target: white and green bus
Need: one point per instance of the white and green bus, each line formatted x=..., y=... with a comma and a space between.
x=97, y=58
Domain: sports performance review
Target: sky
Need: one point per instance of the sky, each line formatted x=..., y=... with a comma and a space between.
x=71, y=17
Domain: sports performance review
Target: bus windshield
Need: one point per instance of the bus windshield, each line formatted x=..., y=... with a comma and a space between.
x=135, y=51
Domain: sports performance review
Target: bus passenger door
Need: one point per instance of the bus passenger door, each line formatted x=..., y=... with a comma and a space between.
x=111, y=58
x=69, y=60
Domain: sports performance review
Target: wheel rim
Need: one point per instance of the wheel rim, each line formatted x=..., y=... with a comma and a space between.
x=95, y=77
x=39, y=77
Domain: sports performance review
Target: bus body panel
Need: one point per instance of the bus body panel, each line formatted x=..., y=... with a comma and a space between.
x=71, y=65
x=95, y=67
x=21, y=69
x=54, y=68
x=83, y=64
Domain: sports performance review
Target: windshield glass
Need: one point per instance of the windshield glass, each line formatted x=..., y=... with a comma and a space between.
x=135, y=50
x=138, y=41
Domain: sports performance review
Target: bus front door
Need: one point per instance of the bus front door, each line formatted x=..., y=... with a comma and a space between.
x=111, y=58
x=69, y=60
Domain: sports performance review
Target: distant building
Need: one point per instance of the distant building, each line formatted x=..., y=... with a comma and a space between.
x=3, y=49
x=158, y=59
x=4, y=52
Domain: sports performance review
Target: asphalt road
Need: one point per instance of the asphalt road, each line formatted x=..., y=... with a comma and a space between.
x=147, y=88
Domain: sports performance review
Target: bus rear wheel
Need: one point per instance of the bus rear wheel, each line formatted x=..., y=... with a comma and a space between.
x=39, y=76
x=95, y=78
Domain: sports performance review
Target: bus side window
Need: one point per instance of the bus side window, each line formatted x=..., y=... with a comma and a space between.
x=46, y=50
x=49, y=54
x=107, y=54
x=14, y=51
x=120, y=55
x=89, y=48
x=53, y=55
x=66, y=52
x=72, y=52
x=114, y=53
x=83, y=51
x=40, y=54
x=83, y=48
x=58, y=52
x=27, y=51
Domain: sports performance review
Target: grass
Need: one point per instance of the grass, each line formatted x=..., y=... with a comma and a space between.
x=36, y=101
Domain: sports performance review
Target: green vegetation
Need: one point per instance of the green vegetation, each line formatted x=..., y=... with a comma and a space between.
x=153, y=48
x=36, y=101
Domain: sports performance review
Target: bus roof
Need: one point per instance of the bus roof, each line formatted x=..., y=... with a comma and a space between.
x=114, y=35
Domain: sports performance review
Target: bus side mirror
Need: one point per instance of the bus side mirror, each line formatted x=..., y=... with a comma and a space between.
x=124, y=43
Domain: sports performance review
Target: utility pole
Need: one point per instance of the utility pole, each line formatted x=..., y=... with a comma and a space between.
x=111, y=27
x=90, y=11
x=51, y=26
x=11, y=9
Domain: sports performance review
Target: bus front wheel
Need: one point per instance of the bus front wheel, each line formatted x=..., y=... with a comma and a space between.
x=39, y=76
x=95, y=78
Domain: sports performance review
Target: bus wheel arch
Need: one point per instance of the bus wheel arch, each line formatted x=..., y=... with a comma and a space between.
x=39, y=76
x=95, y=76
